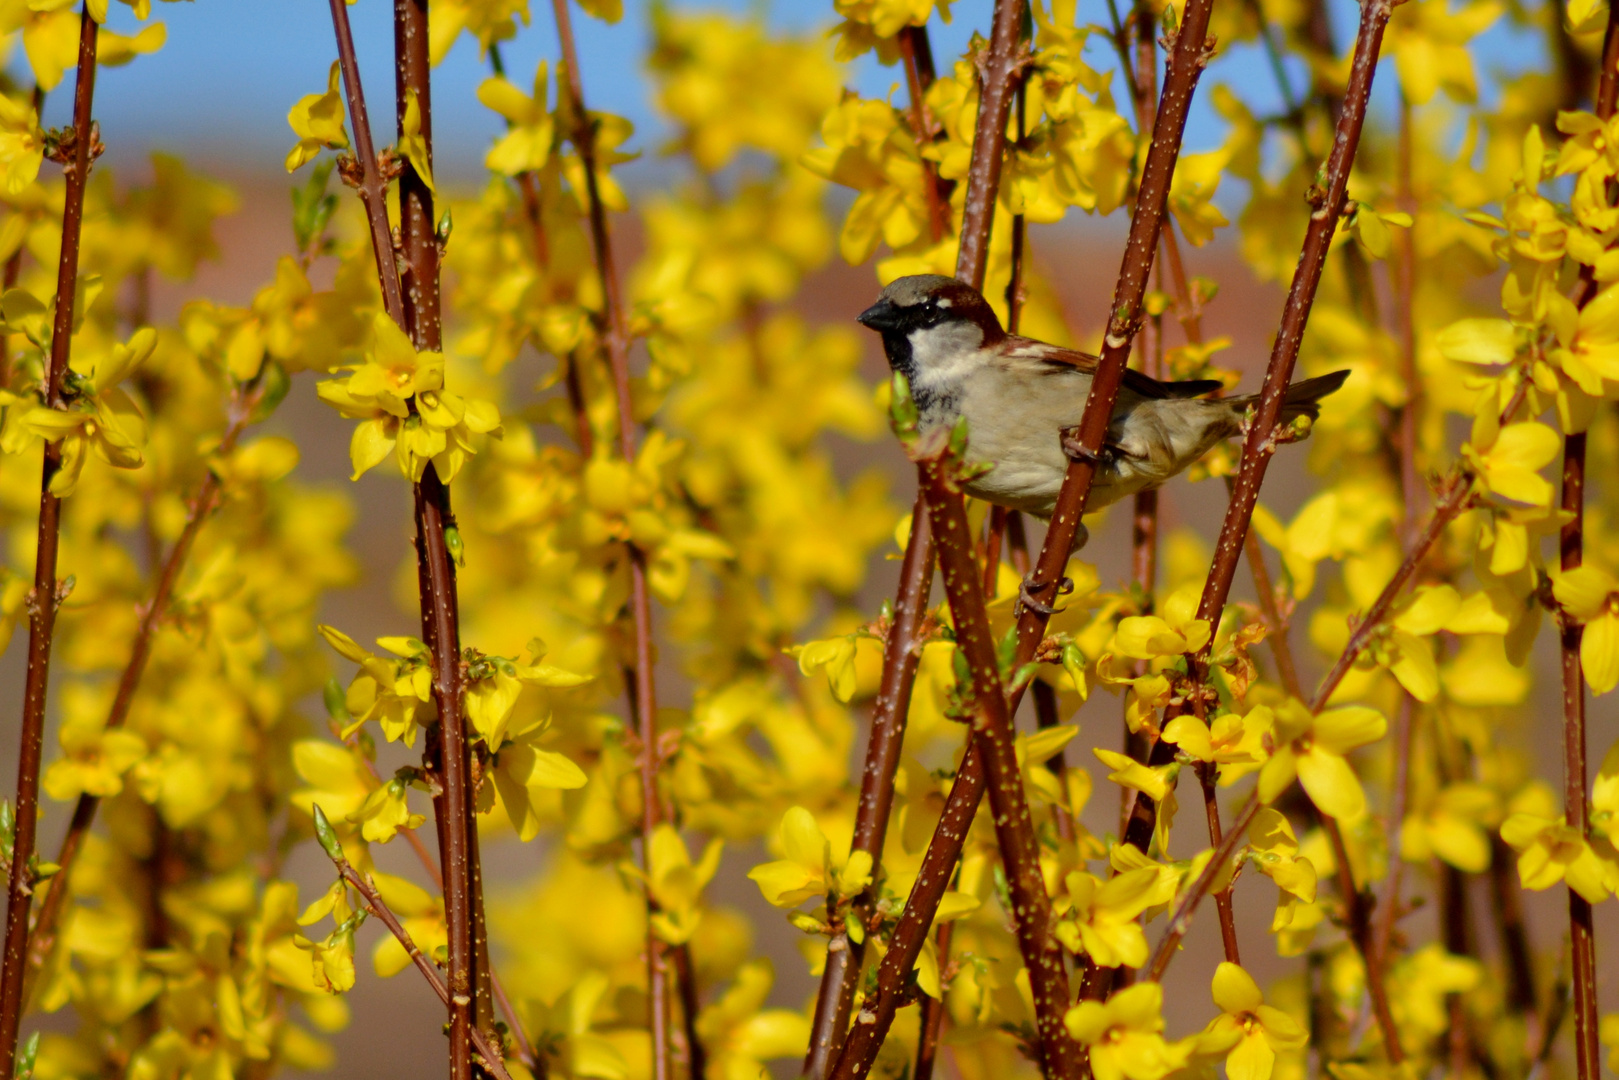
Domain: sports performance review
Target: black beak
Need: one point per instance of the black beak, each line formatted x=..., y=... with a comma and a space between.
x=883, y=315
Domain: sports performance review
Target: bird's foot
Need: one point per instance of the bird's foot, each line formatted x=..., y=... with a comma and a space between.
x=1077, y=450
x=1025, y=598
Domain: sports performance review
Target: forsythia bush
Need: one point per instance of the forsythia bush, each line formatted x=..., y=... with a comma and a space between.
x=637, y=639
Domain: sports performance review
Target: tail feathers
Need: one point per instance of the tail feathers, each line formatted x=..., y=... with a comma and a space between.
x=1304, y=398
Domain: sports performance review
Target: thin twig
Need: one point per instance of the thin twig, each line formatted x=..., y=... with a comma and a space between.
x=910, y=932
x=992, y=732
x=46, y=595
x=901, y=655
x=1576, y=799
x=1186, y=63
x=933, y=1010
x=944, y=849
x=901, y=652
x=1001, y=67
x=372, y=188
x=374, y=904
x=1181, y=921
x=203, y=503
x=615, y=339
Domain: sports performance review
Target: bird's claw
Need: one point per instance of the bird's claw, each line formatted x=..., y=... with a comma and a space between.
x=1077, y=450
x=1064, y=587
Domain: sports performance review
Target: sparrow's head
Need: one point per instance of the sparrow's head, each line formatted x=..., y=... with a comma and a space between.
x=925, y=318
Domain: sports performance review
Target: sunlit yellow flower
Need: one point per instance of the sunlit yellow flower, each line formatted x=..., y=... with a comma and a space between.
x=1550, y=850
x=99, y=416
x=1590, y=595
x=1124, y=1035
x=1509, y=466
x=528, y=142
x=1313, y=749
x=318, y=121
x=809, y=869
x=1100, y=918
x=1260, y=1030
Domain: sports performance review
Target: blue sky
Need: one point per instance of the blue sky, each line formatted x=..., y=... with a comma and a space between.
x=220, y=88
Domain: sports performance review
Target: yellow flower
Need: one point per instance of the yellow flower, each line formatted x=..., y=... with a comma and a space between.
x=809, y=869
x=1590, y=595
x=1191, y=195
x=1124, y=1035
x=318, y=121
x=527, y=145
x=1273, y=848
x=99, y=416
x=1259, y=1029
x=412, y=146
x=384, y=812
x=1312, y=749
x=834, y=656
x=422, y=914
x=22, y=145
x=1549, y=850
x=1176, y=631
x=388, y=691
x=676, y=883
x=1100, y=918
x=1509, y=465
x=524, y=771
x=1454, y=826
x=397, y=395
x=1156, y=781
x=95, y=759
x=1235, y=742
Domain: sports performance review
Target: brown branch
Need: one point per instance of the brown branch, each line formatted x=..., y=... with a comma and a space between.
x=203, y=503
x=1001, y=67
x=1259, y=444
x=1576, y=799
x=933, y=1010
x=917, y=55
x=1181, y=921
x=1280, y=649
x=902, y=652
x=372, y=187
x=615, y=338
x=1186, y=63
x=491, y=1057
x=46, y=595
x=1506, y=900
x=901, y=655
x=992, y=732
x=910, y=932
x=1357, y=919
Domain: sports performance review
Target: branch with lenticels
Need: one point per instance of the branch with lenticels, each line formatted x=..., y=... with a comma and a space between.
x=993, y=737
x=1188, y=58
x=902, y=652
x=1261, y=439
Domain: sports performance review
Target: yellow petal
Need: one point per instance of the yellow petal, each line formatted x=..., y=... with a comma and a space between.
x=1234, y=990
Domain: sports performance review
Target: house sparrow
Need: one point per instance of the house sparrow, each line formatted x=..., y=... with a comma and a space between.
x=1022, y=399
